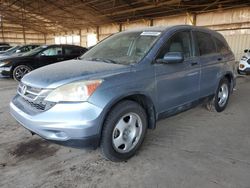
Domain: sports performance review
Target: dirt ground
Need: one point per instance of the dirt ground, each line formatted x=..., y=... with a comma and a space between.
x=194, y=149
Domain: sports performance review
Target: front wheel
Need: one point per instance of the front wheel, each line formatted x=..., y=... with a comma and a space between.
x=123, y=131
x=19, y=71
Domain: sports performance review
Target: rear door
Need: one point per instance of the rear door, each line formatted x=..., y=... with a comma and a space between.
x=209, y=60
x=51, y=55
x=177, y=84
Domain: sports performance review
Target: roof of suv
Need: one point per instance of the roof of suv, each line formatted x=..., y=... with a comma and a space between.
x=70, y=45
x=176, y=27
x=165, y=28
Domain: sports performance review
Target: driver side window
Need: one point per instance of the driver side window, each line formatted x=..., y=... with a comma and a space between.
x=179, y=42
x=54, y=51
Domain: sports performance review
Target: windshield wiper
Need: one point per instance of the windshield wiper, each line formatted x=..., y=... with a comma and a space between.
x=104, y=60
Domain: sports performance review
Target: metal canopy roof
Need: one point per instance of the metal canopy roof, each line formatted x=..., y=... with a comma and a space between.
x=49, y=16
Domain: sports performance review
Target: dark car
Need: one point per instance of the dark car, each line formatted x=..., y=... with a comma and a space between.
x=4, y=48
x=17, y=67
x=18, y=50
x=118, y=89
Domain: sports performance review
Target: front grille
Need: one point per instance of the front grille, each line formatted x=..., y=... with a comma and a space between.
x=29, y=92
x=33, y=98
x=38, y=106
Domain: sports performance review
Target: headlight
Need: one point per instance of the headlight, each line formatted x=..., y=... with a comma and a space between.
x=3, y=63
x=74, y=92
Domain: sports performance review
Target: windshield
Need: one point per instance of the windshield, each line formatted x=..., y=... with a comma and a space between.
x=123, y=48
x=34, y=51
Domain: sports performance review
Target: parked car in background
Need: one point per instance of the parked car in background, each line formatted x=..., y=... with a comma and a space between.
x=17, y=67
x=4, y=48
x=18, y=50
x=111, y=95
x=9, y=51
x=244, y=65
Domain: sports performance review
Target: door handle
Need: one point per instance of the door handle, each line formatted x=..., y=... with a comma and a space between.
x=219, y=59
x=60, y=59
x=194, y=63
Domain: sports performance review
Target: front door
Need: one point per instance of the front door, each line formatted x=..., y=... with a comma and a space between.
x=177, y=84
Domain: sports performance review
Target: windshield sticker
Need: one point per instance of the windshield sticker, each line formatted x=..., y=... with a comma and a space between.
x=150, y=33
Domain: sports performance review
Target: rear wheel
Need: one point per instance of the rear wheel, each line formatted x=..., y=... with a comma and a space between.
x=123, y=131
x=221, y=98
x=19, y=71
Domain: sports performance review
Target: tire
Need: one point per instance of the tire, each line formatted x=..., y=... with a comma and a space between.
x=123, y=131
x=19, y=71
x=222, y=95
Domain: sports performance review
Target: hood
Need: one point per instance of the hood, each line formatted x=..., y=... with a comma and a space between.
x=58, y=74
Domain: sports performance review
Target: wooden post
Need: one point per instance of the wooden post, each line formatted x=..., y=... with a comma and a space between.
x=151, y=22
x=2, y=29
x=24, y=36
x=120, y=27
x=45, y=38
x=80, y=33
x=194, y=19
x=98, y=33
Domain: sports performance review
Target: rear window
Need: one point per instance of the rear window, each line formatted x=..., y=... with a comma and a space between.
x=205, y=43
x=221, y=46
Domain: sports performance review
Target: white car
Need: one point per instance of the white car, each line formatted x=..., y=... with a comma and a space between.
x=244, y=65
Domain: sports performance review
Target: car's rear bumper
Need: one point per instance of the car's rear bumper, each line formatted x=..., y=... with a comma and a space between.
x=67, y=124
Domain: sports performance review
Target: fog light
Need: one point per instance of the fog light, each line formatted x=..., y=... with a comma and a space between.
x=242, y=66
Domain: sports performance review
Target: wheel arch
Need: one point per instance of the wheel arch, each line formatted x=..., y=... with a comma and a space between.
x=17, y=64
x=142, y=99
x=229, y=76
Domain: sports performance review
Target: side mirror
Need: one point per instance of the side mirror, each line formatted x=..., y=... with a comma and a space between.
x=18, y=51
x=171, y=58
x=246, y=50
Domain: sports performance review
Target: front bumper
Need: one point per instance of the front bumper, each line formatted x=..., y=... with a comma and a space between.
x=5, y=71
x=244, y=66
x=244, y=71
x=63, y=123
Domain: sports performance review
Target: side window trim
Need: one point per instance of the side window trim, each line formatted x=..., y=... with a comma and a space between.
x=165, y=43
x=51, y=48
x=196, y=42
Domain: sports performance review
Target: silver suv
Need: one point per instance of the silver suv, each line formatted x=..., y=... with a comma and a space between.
x=111, y=95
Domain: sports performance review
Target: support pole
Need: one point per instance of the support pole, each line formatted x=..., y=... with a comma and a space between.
x=151, y=22
x=80, y=33
x=2, y=29
x=120, y=27
x=98, y=33
x=24, y=36
x=45, y=38
x=194, y=19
